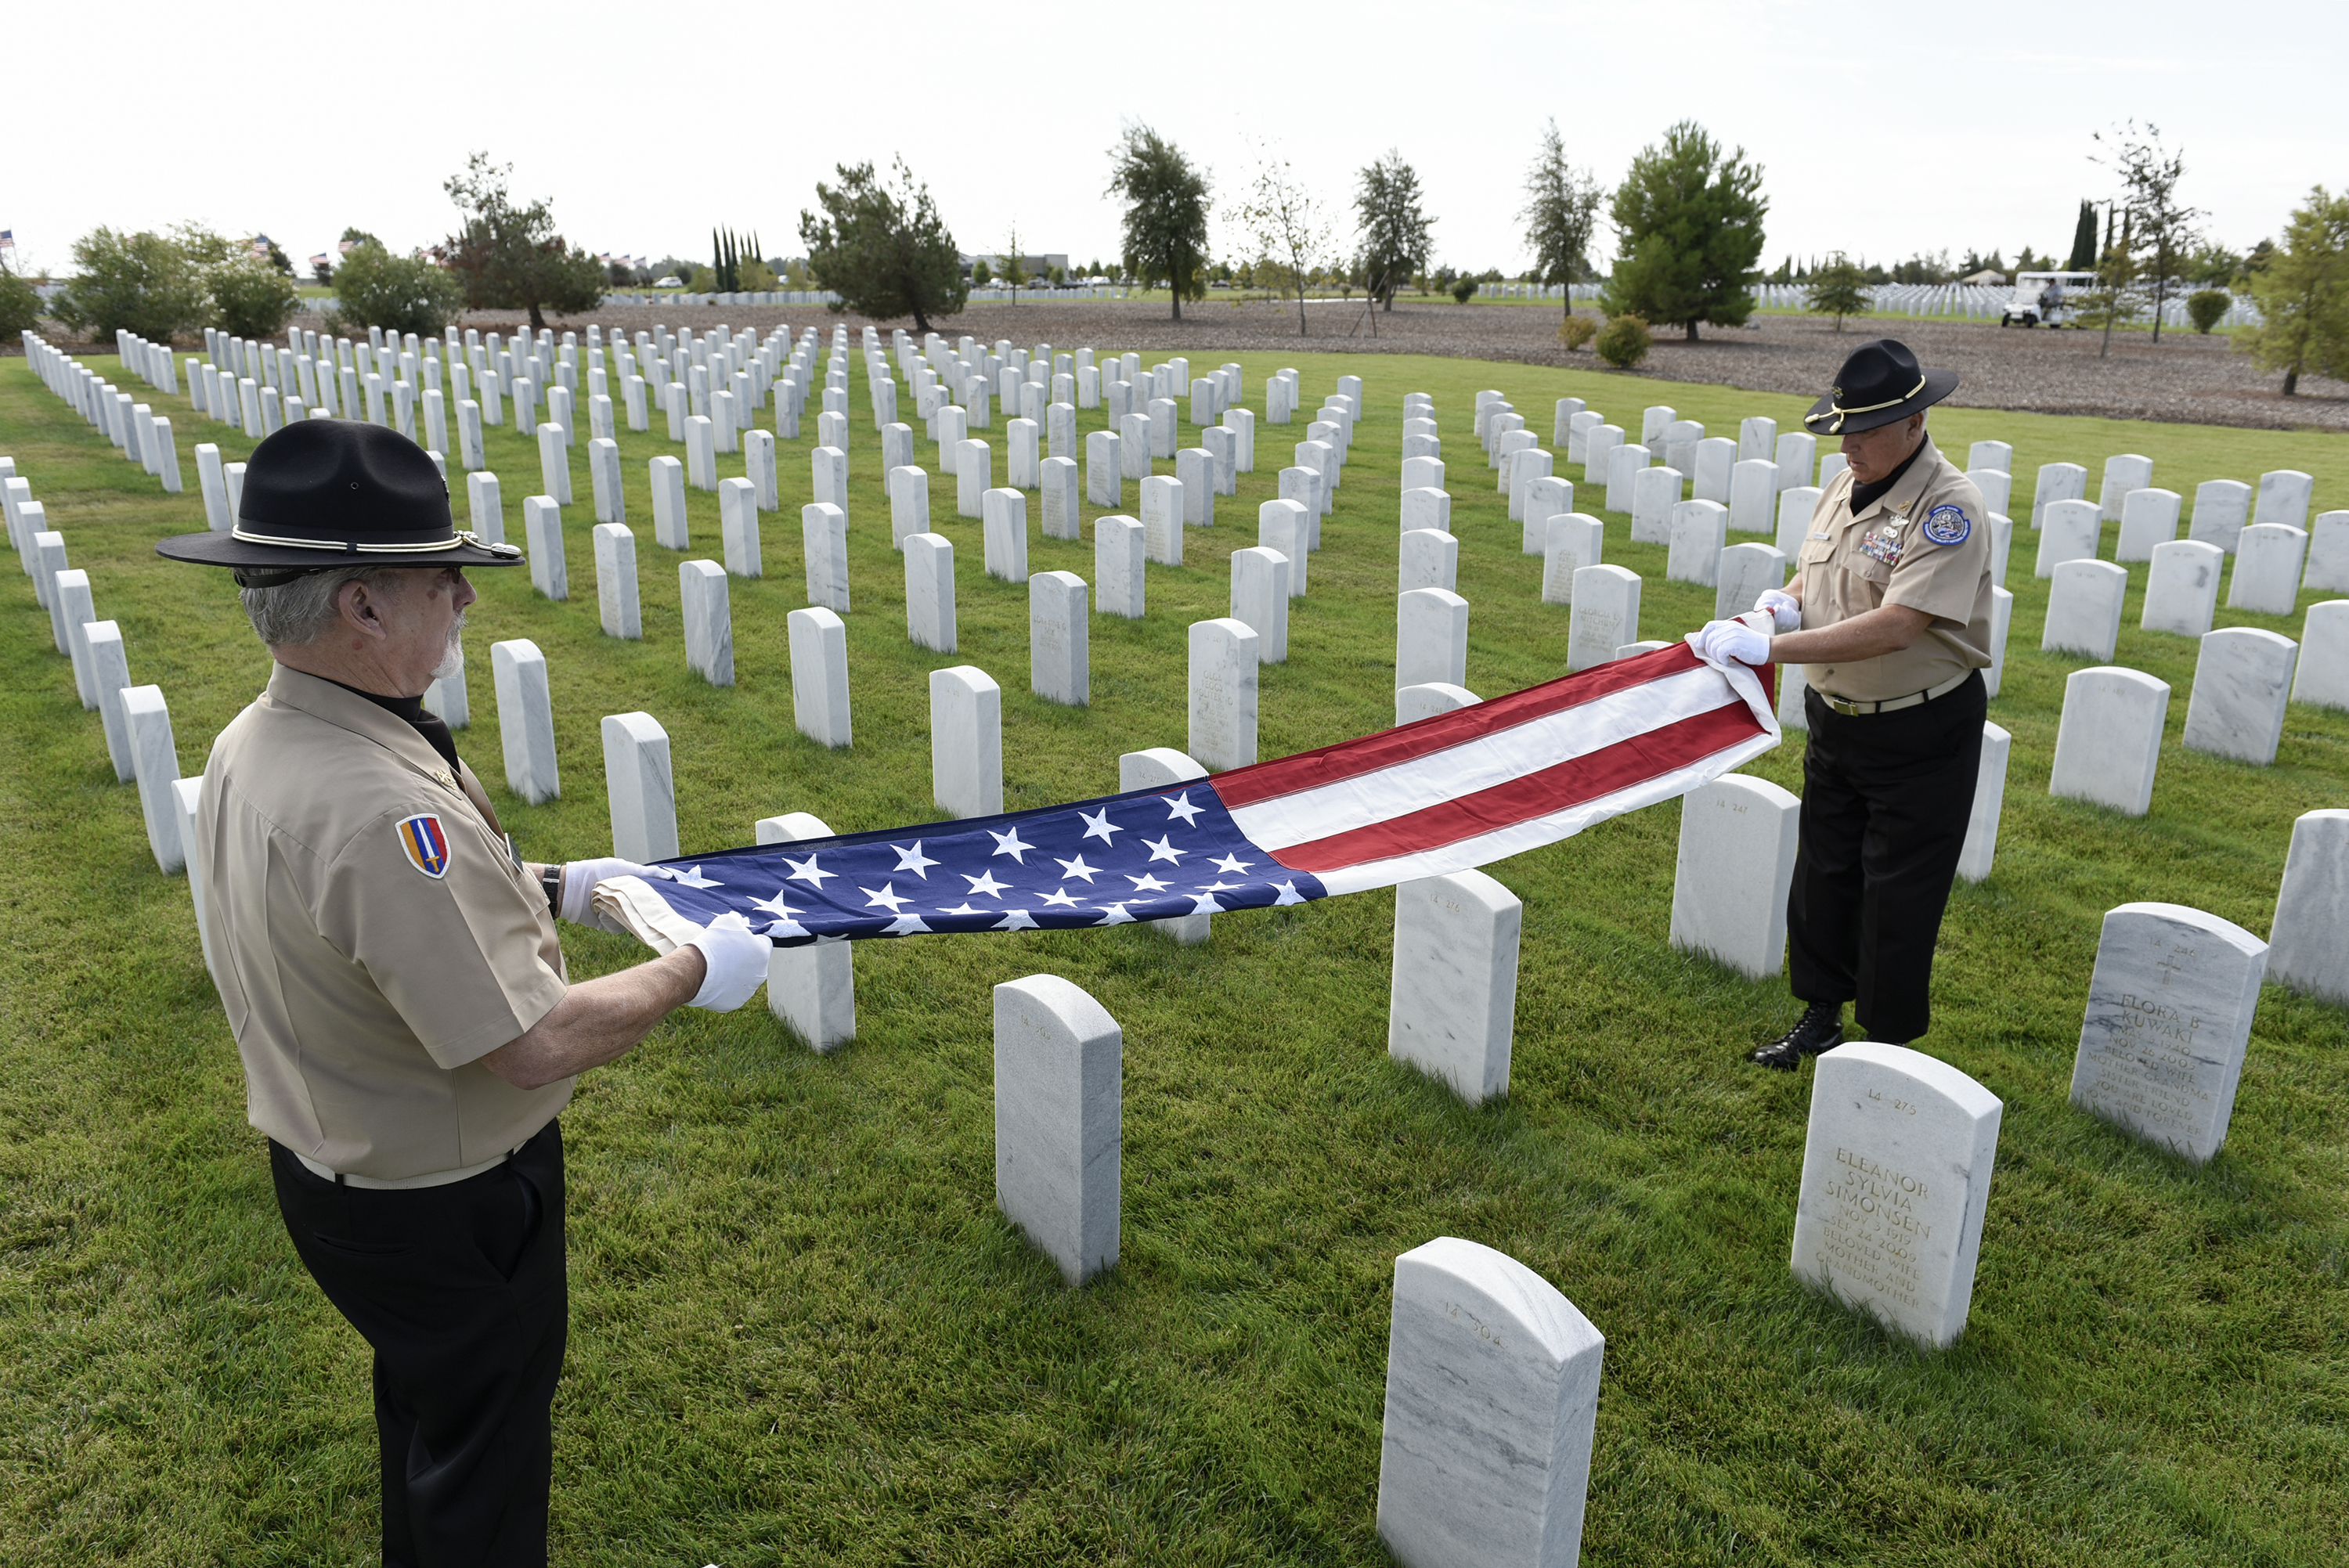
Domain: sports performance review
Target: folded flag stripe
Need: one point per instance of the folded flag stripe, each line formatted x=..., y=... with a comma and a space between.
x=1440, y=795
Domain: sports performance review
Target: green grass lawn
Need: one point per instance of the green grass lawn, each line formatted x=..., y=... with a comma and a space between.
x=801, y=1332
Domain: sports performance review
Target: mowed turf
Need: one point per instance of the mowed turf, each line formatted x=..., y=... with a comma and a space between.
x=801, y=1333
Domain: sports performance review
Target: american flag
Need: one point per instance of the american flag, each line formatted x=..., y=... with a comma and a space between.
x=7, y=239
x=1440, y=795
x=319, y=260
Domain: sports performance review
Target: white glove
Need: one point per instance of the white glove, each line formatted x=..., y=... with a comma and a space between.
x=1722, y=641
x=1784, y=607
x=580, y=877
x=736, y=958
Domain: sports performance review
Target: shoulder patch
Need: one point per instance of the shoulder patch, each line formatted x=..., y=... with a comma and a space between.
x=425, y=842
x=1948, y=525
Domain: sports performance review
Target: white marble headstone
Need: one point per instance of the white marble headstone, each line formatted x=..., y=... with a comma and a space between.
x=1057, y=1128
x=1452, y=1001
x=2243, y=675
x=966, y=740
x=1735, y=866
x=1492, y=1405
x=2109, y=741
x=639, y=788
x=525, y=719
x=1896, y=1179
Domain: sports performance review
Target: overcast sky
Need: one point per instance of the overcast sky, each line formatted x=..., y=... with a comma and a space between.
x=1880, y=133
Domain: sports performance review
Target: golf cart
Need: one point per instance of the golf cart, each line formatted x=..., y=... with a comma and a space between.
x=2040, y=298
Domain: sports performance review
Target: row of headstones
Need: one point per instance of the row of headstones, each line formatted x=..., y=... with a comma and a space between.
x=136, y=719
x=134, y=428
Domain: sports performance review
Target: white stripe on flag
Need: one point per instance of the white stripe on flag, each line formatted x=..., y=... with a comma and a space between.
x=1481, y=764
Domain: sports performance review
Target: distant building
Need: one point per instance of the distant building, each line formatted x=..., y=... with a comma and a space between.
x=1996, y=280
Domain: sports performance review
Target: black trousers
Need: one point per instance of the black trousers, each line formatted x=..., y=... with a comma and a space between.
x=1886, y=799
x=461, y=1290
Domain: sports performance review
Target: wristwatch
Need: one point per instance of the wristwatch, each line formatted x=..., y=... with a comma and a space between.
x=550, y=879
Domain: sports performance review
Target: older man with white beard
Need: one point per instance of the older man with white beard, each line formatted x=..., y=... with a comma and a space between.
x=391, y=971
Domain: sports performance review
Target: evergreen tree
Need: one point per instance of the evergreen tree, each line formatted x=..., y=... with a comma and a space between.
x=1838, y=289
x=2303, y=291
x=1562, y=210
x=883, y=247
x=1690, y=221
x=510, y=256
x=1165, y=234
x=2083, y=240
x=1396, y=231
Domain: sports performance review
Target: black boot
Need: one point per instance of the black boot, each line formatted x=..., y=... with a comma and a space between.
x=1820, y=1028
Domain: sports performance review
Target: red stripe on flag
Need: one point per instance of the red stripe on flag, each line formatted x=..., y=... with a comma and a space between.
x=1351, y=758
x=1585, y=778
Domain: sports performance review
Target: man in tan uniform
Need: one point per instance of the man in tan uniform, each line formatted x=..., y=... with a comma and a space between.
x=391, y=971
x=1889, y=612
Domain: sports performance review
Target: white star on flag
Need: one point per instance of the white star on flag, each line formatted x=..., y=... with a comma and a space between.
x=1059, y=897
x=1180, y=806
x=808, y=871
x=692, y=877
x=1014, y=920
x=1165, y=850
x=914, y=860
x=1289, y=895
x=1010, y=844
x=1076, y=868
x=1232, y=863
x=904, y=925
x=887, y=898
x=966, y=909
x=775, y=906
x=984, y=883
x=1204, y=903
x=1114, y=914
x=1145, y=882
x=1099, y=826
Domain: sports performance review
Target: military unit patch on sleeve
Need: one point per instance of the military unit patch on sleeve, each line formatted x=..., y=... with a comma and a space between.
x=426, y=844
x=1948, y=525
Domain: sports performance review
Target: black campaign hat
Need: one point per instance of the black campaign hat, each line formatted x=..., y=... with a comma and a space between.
x=1880, y=384
x=327, y=493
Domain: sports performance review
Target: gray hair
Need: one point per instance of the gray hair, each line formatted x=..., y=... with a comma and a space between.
x=290, y=614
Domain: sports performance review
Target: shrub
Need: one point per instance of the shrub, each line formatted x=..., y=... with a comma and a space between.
x=1575, y=331
x=251, y=298
x=20, y=306
x=398, y=293
x=1464, y=290
x=1624, y=341
x=145, y=283
x=2205, y=306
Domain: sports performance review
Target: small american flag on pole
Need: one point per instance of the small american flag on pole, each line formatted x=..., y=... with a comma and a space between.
x=1440, y=795
x=7, y=239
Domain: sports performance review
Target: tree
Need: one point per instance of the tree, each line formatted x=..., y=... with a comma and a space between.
x=883, y=248
x=2115, y=296
x=1015, y=271
x=20, y=304
x=1285, y=225
x=509, y=257
x=251, y=298
x=1838, y=289
x=1561, y=211
x=1395, y=229
x=1690, y=222
x=2164, y=225
x=2303, y=292
x=399, y=293
x=145, y=283
x=2083, y=240
x=1166, y=229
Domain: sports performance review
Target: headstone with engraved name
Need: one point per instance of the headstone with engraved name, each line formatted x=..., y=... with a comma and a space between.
x=2168, y=1018
x=1896, y=1181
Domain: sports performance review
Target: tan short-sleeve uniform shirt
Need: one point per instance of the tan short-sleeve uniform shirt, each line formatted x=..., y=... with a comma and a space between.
x=377, y=937
x=1924, y=544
